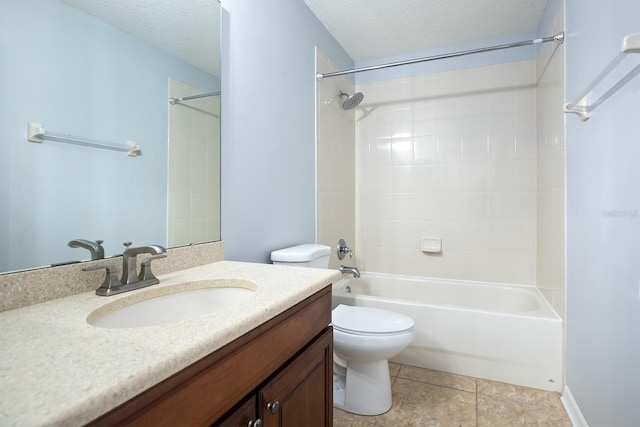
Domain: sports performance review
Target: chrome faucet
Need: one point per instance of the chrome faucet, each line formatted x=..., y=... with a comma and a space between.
x=95, y=248
x=131, y=279
x=129, y=269
x=350, y=270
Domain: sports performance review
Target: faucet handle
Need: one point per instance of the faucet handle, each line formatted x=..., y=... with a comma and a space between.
x=110, y=280
x=343, y=249
x=145, y=268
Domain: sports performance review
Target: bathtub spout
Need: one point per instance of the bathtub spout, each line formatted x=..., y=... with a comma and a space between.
x=350, y=270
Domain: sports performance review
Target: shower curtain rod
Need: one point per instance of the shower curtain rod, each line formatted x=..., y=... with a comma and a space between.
x=187, y=98
x=558, y=38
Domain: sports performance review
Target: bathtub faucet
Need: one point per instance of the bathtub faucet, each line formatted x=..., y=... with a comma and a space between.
x=350, y=270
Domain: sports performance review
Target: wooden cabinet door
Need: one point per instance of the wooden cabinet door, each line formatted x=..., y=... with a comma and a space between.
x=302, y=393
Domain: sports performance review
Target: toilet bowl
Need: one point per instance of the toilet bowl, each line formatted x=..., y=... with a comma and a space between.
x=364, y=339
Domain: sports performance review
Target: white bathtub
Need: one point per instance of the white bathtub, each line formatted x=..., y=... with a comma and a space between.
x=506, y=333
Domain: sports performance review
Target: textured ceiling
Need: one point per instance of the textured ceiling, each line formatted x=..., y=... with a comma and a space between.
x=187, y=29
x=369, y=29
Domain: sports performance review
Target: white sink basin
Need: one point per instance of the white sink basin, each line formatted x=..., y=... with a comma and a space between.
x=157, y=306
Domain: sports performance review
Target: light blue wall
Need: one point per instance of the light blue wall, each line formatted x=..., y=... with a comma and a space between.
x=603, y=221
x=51, y=58
x=268, y=125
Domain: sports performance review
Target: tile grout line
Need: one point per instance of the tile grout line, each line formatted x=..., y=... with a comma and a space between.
x=434, y=385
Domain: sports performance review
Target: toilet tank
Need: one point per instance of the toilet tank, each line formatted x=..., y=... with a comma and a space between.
x=308, y=255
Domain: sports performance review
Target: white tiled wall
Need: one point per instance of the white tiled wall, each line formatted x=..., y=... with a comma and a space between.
x=450, y=155
x=194, y=167
x=551, y=171
x=335, y=163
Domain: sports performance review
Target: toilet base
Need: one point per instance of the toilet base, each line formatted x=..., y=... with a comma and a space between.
x=366, y=389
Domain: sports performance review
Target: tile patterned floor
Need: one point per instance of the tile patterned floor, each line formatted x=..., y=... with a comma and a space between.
x=422, y=397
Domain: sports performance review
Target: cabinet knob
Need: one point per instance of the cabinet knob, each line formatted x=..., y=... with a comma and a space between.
x=273, y=407
x=256, y=423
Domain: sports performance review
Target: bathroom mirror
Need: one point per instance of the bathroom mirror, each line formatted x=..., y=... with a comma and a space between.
x=102, y=72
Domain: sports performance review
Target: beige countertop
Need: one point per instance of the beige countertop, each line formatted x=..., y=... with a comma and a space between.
x=56, y=369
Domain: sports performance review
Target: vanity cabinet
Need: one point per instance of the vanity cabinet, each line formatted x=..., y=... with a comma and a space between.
x=280, y=373
x=295, y=396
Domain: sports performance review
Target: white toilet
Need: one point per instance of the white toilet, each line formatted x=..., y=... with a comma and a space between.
x=308, y=255
x=364, y=339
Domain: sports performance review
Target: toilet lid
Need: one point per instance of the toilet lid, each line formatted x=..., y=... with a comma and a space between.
x=369, y=320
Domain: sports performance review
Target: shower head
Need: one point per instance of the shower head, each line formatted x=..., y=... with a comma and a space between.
x=352, y=101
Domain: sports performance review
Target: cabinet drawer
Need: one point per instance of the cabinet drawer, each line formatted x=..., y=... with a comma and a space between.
x=206, y=390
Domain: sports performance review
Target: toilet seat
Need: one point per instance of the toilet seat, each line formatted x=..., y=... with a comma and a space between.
x=369, y=321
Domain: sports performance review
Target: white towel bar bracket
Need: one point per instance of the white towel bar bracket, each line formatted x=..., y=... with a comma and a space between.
x=583, y=105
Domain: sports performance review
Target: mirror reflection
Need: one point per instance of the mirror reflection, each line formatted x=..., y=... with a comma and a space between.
x=105, y=71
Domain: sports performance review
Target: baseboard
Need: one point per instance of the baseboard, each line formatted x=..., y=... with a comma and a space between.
x=571, y=406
